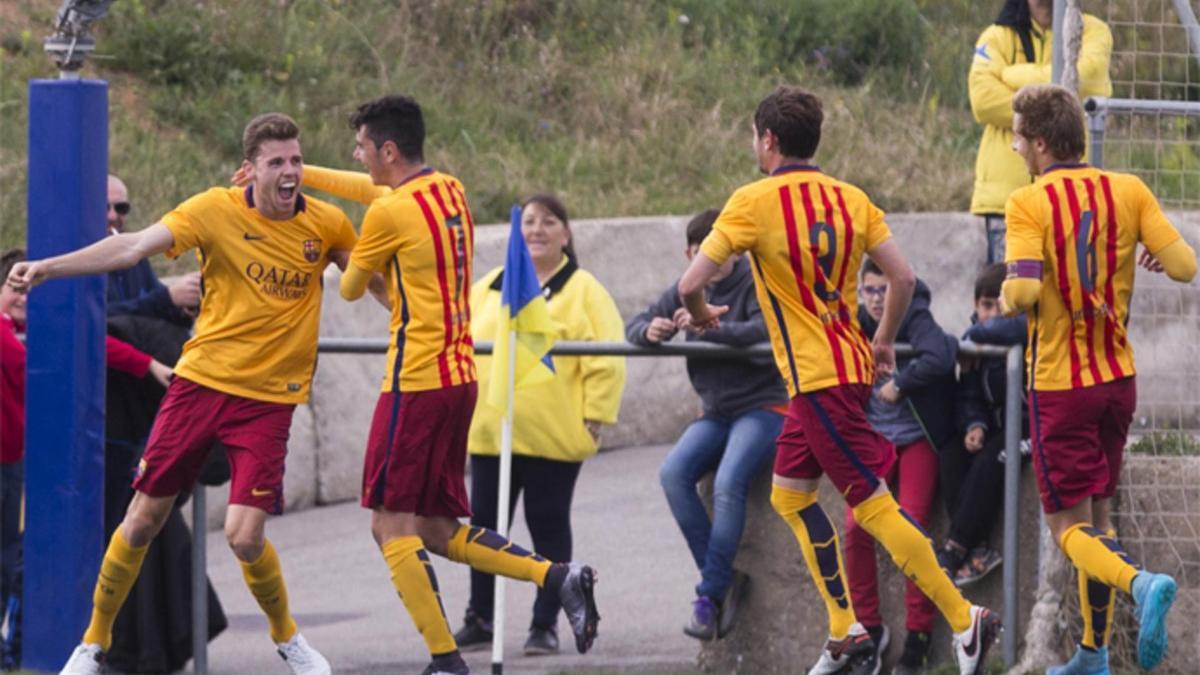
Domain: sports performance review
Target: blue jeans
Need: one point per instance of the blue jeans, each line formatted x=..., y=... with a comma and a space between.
x=737, y=449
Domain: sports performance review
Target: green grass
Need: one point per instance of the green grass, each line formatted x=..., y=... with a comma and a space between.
x=623, y=108
x=1166, y=444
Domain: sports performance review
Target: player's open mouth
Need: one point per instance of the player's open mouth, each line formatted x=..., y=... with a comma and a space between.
x=287, y=190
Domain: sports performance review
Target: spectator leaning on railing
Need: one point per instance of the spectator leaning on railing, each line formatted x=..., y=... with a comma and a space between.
x=912, y=410
x=743, y=408
x=1011, y=53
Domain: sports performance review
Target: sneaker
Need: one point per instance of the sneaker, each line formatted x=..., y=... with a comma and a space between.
x=882, y=637
x=854, y=653
x=705, y=616
x=447, y=664
x=301, y=657
x=579, y=603
x=915, y=654
x=541, y=641
x=85, y=660
x=1153, y=594
x=476, y=634
x=734, y=595
x=971, y=646
x=950, y=558
x=1083, y=662
x=978, y=564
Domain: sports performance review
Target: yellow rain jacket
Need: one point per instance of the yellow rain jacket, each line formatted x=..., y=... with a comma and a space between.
x=548, y=418
x=998, y=70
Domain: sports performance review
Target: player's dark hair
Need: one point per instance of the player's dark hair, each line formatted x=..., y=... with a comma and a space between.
x=700, y=225
x=267, y=127
x=1053, y=114
x=870, y=267
x=795, y=117
x=393, y=118
x=555, y=206
x=987, y=284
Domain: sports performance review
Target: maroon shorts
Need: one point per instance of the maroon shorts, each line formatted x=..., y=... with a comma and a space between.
x=191, y=419
x=417, y=452
x=1079, y=439
x=826, y=431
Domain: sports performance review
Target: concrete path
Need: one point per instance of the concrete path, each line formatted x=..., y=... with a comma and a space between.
x=347, y=608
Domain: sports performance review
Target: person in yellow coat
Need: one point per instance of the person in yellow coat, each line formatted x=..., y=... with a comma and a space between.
x=1009, y=54
x=556, y=425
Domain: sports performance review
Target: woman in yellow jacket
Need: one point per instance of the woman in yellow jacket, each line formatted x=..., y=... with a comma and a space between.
x=1011, y=53
x=556, y=425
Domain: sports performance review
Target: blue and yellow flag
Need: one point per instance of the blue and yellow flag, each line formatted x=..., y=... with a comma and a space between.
x=523, y=309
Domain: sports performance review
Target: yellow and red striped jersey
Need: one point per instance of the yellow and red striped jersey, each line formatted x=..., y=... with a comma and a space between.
x=1077, y=228
x=806, y=234
x=422, y=238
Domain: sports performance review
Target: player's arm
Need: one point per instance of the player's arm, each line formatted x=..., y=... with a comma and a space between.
x=1161, y=238
x=378, y=243
x=1023, y=241
x=991, y=99
x=116, y=252
x=351, y=185
x=1178, y=260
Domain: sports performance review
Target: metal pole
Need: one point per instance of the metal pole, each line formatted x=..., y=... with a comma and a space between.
x=1059, y=47
x=1183, y=9
x=1096, y=121
x=1012, y=489
x=199, y=583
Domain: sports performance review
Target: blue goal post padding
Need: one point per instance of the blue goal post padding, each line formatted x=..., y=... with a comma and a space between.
x=64, y=404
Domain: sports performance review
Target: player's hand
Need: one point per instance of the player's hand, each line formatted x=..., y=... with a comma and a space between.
x=242, y=177
x=161, y=372
x=1149, y=262
x=710, y=320
x=973, y=441
x=185, y=292
x=889, y=392
x=25, y=275
x=885, y=359
x=660, y=330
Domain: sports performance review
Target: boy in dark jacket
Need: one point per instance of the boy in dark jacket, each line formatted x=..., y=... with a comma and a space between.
x=913, y=410
x=743, y=406
x=972, y=466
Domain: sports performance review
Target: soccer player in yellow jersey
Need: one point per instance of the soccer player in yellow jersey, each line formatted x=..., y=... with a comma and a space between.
x=262, y=250
x=418, y=233
x=1072, y=240
x=806, y=234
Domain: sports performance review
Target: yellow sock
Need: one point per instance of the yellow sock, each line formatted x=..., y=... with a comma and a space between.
x=1100, y=557
x=486, y=551
x=819, y=544
x=912, y=551
x=118, y=572
x=1096, y=603
x=264, y=578
x=413, y=577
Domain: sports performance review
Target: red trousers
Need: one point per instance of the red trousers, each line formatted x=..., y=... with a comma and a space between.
x=913, y=480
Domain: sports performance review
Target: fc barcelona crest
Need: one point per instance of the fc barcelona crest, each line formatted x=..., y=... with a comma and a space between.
x=312, y=250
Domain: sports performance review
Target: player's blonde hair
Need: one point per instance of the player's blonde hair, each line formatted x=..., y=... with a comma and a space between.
x=1053, y=114
x=271, y=126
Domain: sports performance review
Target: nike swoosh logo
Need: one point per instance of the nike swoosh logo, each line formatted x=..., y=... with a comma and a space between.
x=973, y=647
x=252, y=237
x=255, y=492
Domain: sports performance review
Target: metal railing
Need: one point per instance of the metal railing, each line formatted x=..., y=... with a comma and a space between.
x=1015, y=365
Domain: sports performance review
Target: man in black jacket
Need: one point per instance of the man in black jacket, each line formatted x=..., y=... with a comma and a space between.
x=913, y=410
x=743, y=404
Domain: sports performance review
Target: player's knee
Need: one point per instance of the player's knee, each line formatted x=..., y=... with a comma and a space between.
x=247, y=547
x=788, y=502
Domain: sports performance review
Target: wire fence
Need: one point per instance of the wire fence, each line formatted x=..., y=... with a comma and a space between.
x=1151, y=128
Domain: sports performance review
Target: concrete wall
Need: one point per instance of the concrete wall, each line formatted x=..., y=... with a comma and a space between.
x=635, y=258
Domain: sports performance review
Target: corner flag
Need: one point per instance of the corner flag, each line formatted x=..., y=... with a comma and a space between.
x=523, y=316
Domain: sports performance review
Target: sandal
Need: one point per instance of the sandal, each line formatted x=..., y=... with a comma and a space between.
x=977, y=565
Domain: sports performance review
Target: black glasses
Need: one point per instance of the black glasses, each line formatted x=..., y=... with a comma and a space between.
x=122, y=208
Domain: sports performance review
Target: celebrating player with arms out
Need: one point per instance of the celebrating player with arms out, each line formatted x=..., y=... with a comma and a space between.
x=419, y=233
x=262, y=250
x=1072, y=237
x=806, y=234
